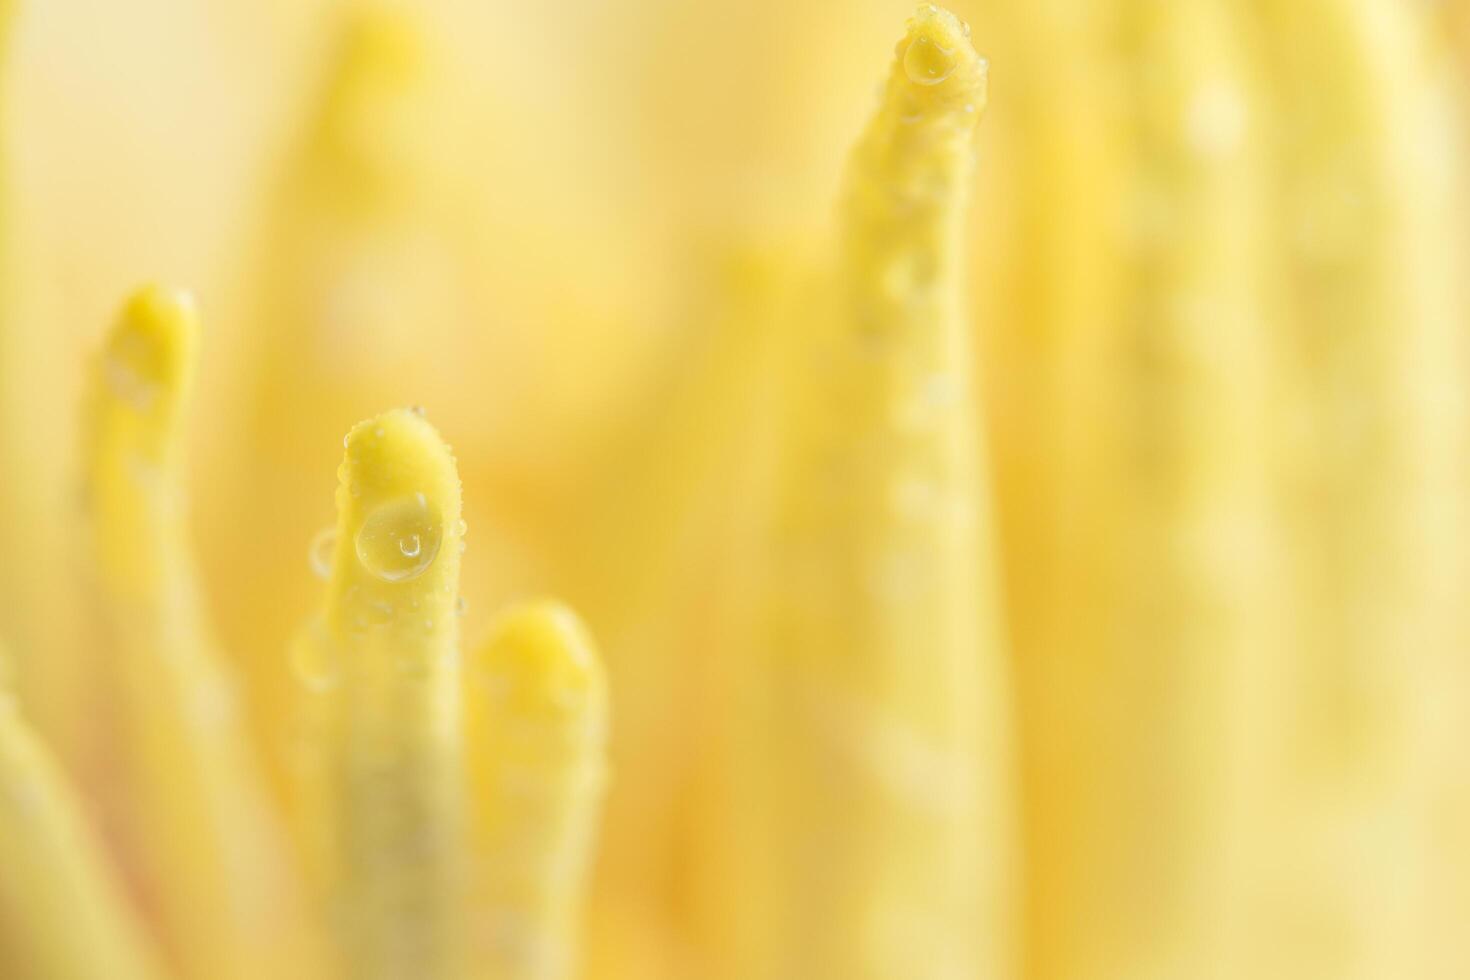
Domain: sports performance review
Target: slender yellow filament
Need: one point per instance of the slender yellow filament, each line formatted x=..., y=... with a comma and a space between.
x=201, y=827
x=890, y=708
x=62, y=913
x=388, y=653
x=537, y=727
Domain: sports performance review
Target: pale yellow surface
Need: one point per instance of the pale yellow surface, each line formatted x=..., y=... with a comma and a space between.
x=1358, y=863
x=1210, y=285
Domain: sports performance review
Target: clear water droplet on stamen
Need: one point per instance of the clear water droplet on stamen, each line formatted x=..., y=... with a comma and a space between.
x=926, y=63
x=323, y=547
x=400, y=540
x=127, y=384
x=314, y=658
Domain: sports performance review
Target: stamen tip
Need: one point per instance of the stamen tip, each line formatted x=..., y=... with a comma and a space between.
x=542, y=660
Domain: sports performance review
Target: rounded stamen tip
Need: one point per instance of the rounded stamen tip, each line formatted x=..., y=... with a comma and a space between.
x=541, y=660
x=399, y=522
x=395, y=454
x=152, y=345
x=937, y=50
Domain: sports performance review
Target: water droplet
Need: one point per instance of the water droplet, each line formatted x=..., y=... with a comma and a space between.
x=459, y=606
x=346, y=441
x=323, y=546
x=417, y=410
x=400, y=540
x=314, y=661
x=464, y=527
x=126, y=383
x=965, y=26
x=926, y=63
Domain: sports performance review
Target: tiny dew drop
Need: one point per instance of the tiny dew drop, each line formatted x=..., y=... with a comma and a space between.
x=314, y=661
x=400, y=540
x=379, y=613
x=127, y=383
x=323, y=545
x=926, y=63
x=459, y=606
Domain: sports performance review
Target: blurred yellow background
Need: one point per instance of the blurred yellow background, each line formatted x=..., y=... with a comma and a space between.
x=1214, y=278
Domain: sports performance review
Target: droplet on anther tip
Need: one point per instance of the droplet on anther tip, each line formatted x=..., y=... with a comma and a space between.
x=926, y=63
x=400, y=540
x=323, y=547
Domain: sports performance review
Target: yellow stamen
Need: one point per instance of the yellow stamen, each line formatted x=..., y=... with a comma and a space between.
x=537, y=710
x=890, y=692
x=61, y=911
x=389, y=646
x=200, y=823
